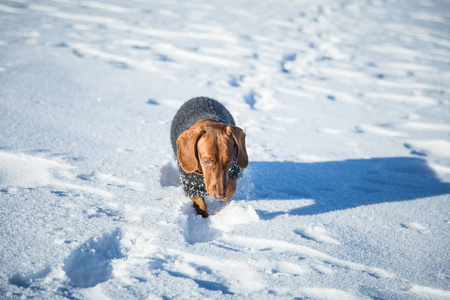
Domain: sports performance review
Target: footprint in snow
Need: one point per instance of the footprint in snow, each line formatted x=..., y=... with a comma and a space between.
x=90, y=264
x=415, y=226
x=152, y=102
x=285, y=63
x=381, y=130
x=169, y=175
x=440, y=148
x=236, y=80
x=29, y=280
x=317, y=234
x=261, y=100
x=98, y=212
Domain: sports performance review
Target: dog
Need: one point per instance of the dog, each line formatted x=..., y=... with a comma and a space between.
x=210, y=151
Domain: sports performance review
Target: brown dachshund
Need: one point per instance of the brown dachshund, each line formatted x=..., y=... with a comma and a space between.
x=211, y=154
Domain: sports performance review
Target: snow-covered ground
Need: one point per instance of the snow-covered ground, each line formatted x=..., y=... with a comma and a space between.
x=346, y=106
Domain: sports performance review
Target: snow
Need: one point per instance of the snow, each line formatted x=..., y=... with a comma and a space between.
x=346, y=110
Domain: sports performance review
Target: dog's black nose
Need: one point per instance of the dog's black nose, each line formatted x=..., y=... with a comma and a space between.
x=219, y=196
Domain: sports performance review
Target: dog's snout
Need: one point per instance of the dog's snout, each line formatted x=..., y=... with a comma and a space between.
x=219, y=196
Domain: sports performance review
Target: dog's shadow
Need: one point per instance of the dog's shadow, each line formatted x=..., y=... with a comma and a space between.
x=337, y=185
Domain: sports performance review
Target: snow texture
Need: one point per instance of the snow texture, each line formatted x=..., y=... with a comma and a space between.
x=346, y=109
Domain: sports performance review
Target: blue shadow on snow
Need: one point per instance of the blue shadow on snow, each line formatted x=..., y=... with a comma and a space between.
x=336, y=185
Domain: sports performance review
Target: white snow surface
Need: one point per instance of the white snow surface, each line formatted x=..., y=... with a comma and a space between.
x=346, y=106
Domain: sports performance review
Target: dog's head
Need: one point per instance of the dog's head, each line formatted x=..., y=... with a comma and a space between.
x=209, y=150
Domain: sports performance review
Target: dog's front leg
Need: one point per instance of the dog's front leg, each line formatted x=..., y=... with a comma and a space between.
x=200, y=206
x=231, y=189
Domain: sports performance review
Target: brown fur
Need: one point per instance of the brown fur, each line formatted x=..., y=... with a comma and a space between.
x=207, y=148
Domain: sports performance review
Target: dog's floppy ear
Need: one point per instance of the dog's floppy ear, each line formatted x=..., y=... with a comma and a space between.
x=239, y=138
x=187, y=149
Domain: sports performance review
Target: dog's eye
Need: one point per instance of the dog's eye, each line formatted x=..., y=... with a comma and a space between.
x=207, y=161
